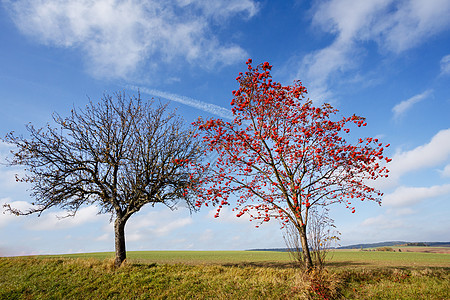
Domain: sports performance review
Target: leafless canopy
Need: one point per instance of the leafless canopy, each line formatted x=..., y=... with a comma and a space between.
x=322, y=236
x=120, y=154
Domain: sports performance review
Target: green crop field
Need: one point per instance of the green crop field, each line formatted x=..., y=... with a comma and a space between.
x=388, y=259
x=194, y=257
x=338, y=258
x=226, y=275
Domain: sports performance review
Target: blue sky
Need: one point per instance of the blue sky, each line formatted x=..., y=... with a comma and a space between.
x=386, y=60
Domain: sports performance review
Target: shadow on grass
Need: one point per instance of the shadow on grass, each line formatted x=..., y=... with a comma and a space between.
x=243, y=264
x=143, y=265
x=263, y=264
x=290, y=265
x=343, y=264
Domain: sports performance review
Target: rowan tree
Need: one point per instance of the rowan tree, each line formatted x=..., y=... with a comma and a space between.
x=119, y=154
x=281, y=155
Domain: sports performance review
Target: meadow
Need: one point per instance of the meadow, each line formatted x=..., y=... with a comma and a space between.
x=350, y=274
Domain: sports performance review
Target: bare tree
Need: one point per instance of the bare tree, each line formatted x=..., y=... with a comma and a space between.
x=322, y=236
x=294, y=246
x=119, y=154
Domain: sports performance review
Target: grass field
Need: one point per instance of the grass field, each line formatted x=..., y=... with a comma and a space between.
x=226, y=275
x=337, y=258
x=388, y=259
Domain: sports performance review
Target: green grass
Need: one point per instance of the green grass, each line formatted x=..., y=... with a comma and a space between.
x=339, y=258
x=52, y=278
x=388, y=259
x=193, y=257
x=395, y=283
x=225, y=275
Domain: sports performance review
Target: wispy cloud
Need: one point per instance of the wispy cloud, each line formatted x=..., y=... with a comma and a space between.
x=395, y=26
x=411, y=23
x=446, y=171
x=401, y=108
x=227, y=215
x=6, y=217
x=165, y=229
x=406, y=195
x=345, y=19
x=220, y=9
x=204, y=106
x=118, y=36
x=445, y=65
x=383, y=222
x=52, y=221
x=432, y=154
x=159, y=222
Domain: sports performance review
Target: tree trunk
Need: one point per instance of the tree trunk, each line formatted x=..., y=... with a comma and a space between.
x=119, y=230
x=305, y=248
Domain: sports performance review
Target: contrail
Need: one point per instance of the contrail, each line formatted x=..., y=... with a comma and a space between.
x=208, y=107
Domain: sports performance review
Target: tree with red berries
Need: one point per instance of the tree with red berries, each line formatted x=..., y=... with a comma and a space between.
x=282, y=156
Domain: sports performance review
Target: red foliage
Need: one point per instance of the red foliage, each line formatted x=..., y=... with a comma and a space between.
x=281, y=154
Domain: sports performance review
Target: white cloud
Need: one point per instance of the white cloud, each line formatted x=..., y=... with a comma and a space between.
x=410, y=23
x=432, y=154
x=52, y=221
x=223, y=9
x=8, y=174
x=161, y=222
x=446, y=171
x=6, y=217
x=5, y=148
x=383, y=222
x=173, y=225
x=8, y=179
x=404, y=211
x=105, y=237
x=319, y=65
x=445, y=65
x=406, y=196
x=395, y=26
x=345, y=19
x=118, y=36
x=400, y=109
x=226, y=215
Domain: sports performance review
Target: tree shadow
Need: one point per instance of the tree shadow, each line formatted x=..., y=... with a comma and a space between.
x=264, y=264
x=340, y=264
x=292, y=265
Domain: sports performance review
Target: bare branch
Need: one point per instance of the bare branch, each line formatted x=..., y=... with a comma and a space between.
x=120, y=154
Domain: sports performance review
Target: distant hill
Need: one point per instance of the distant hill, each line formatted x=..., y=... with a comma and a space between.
x=396, y=243
x=372, y=245
x=439, y=244
x=270, y=249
